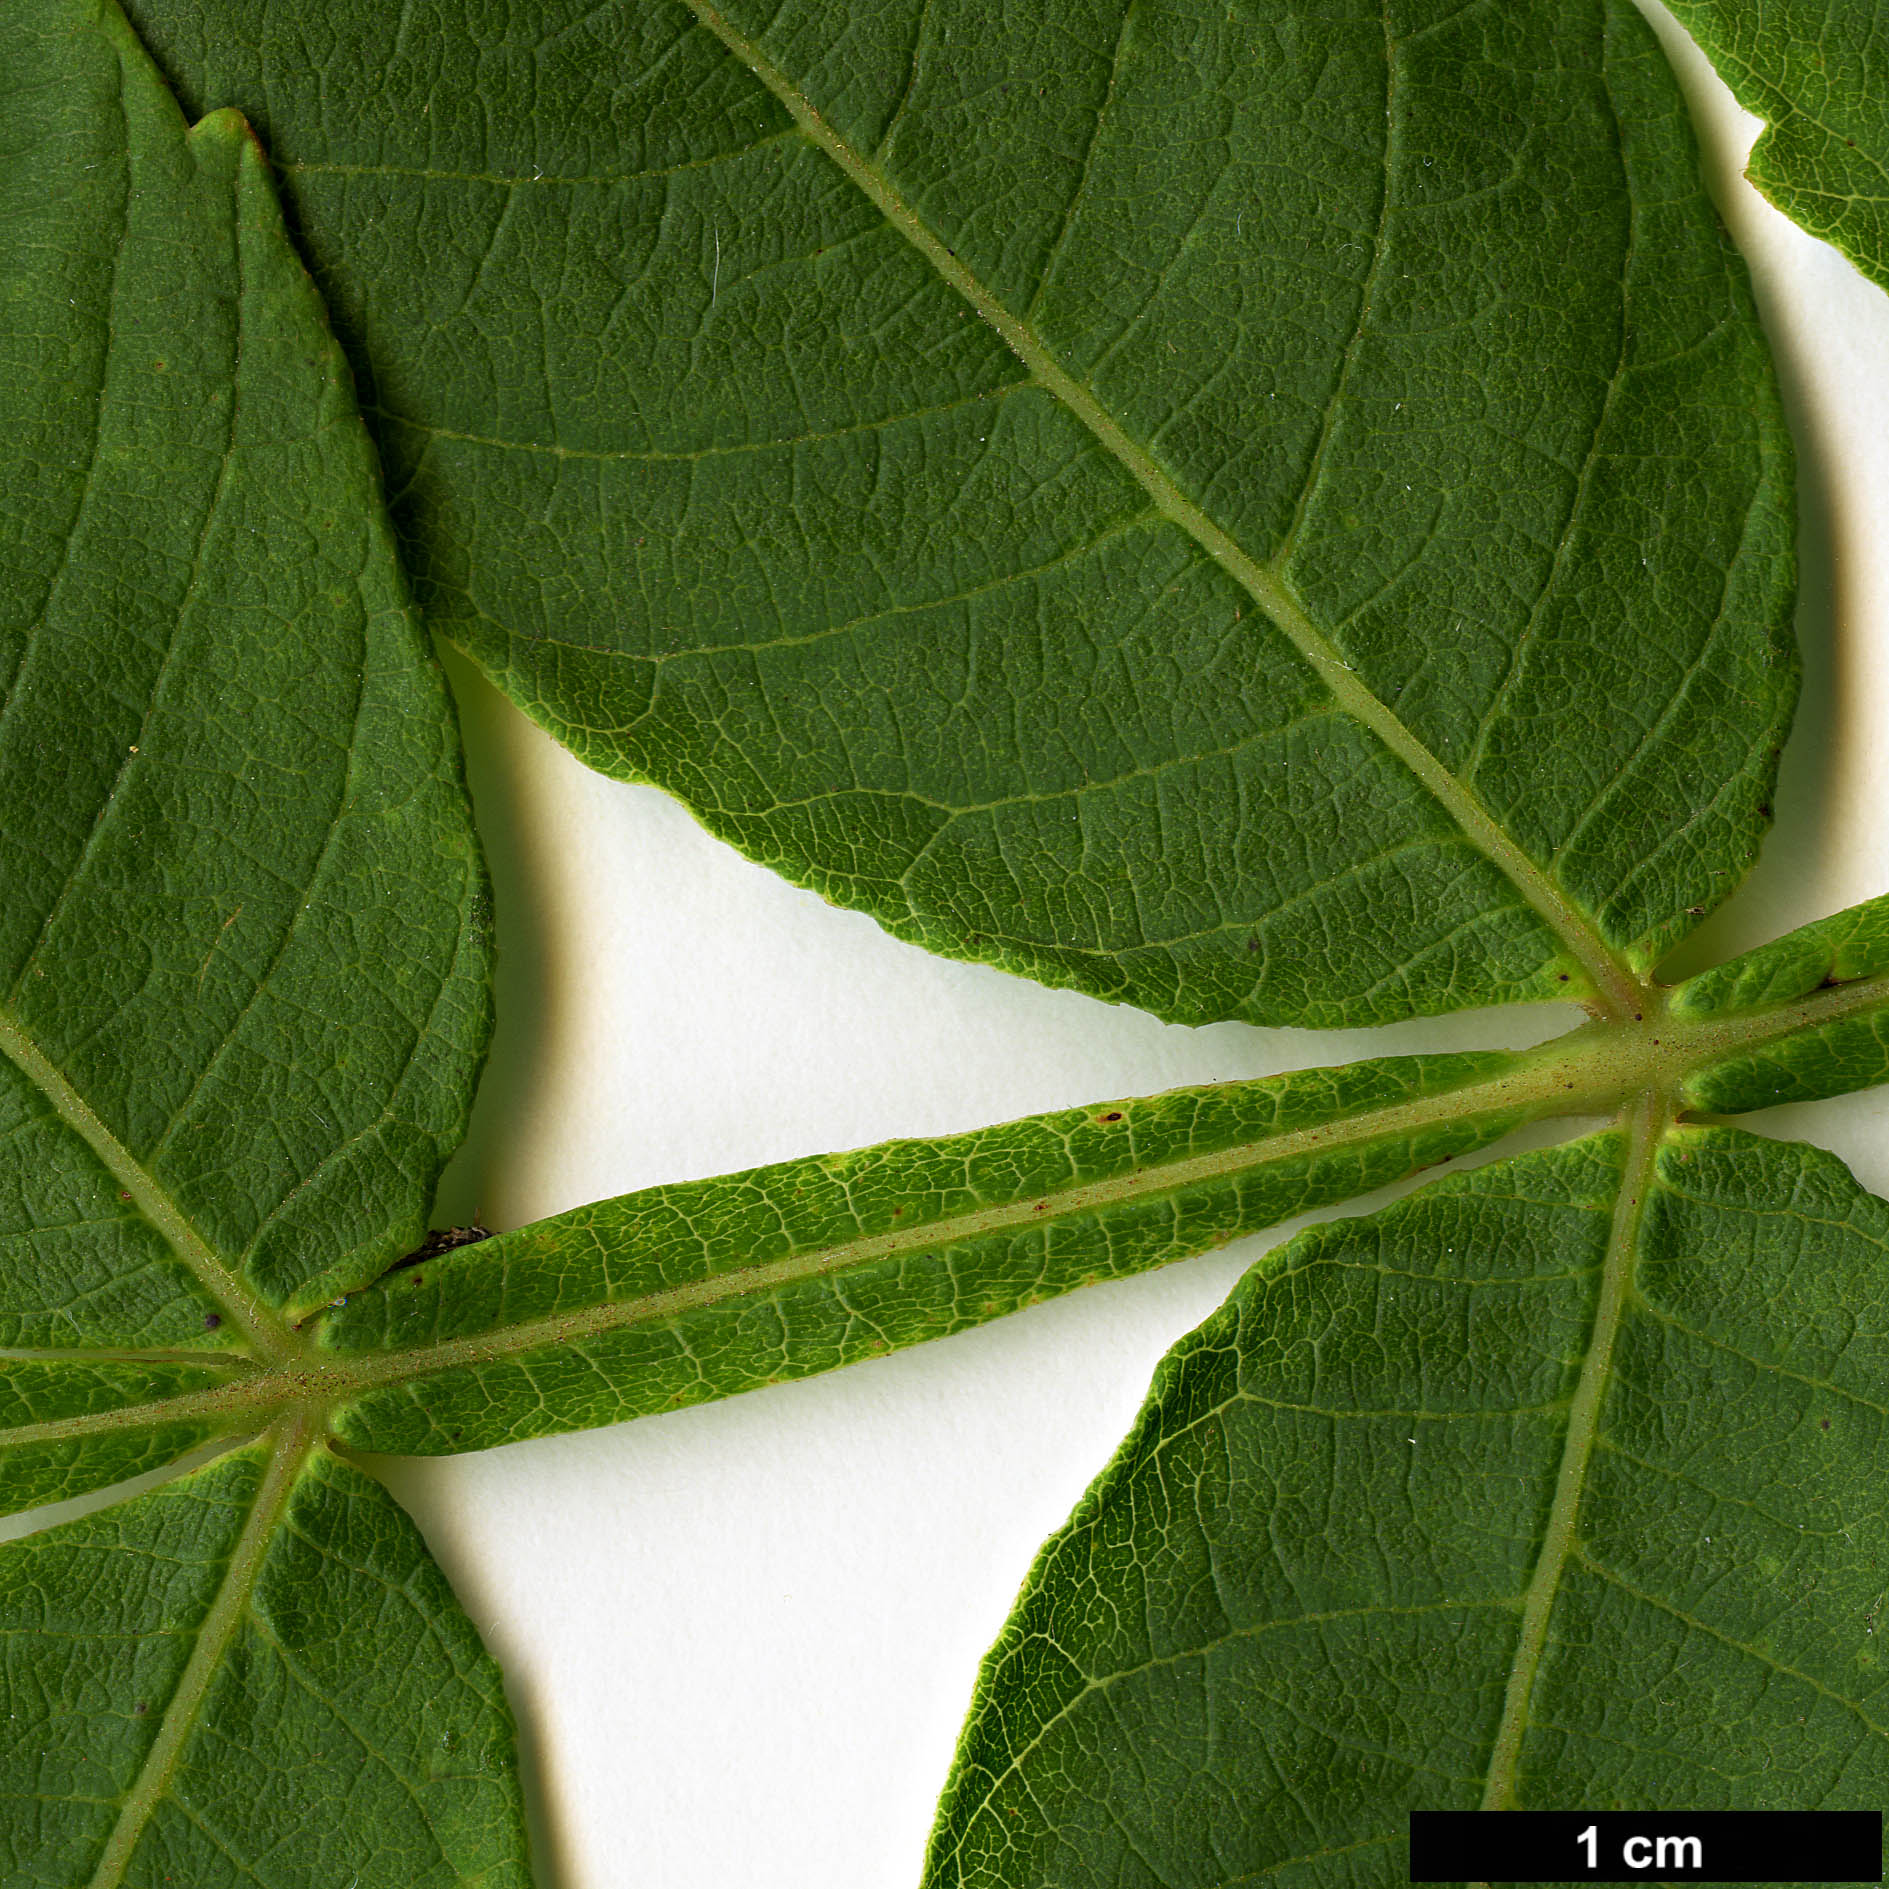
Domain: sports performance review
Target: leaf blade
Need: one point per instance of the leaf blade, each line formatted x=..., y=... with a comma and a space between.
x=1375, y=1618
x=800, y=661
x=47, y=1451
x=1846, y=954
x=284, y=1701
x=681, y=1294
x=1818, y=74
x=246, y=955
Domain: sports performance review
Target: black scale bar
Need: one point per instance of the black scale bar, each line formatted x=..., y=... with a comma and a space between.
x=1574, y=1846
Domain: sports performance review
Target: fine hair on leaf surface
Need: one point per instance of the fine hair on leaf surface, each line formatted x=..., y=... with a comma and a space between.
x=1277, y=516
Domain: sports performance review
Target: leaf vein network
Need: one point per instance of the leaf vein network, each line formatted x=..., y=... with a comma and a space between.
x=1616, y=990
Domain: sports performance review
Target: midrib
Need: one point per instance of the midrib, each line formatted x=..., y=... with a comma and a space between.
x=219, y=1627
x=1618, y=992
x=1542, y=1084
x=1647, y=1123
x=252, y=1318
x=1594, y=1071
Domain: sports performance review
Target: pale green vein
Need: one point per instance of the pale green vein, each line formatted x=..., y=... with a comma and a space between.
x=550, y=449
x=264, y=1330
x=1647, y=1122
x=576, y=180
x=1547, y=1083
x=1367, y=295
x=1595, y=1070
x=1102, y=1683
x=1757, y=1654
x=123, y=1354
x=293, y=1442
x=1617, y=992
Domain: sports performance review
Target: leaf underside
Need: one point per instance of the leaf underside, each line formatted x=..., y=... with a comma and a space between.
x=1273, y=512
x=351, y=1729
x=1276, y=515
x=244, y=962
x=1817, y=72
x=1554, y=1485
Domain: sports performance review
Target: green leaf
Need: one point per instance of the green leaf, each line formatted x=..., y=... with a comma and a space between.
x=273, y=1683
x=243, y=958
x=1287, y=523
x=682, y=1294
x=1279, y=518
x=1553, y=1485
x=1817, y=72
x=1842, y=949
x=1831, y=1058
x=679, y=1295
x=243, y=950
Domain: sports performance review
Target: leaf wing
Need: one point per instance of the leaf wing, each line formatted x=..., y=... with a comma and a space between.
x=1847, y=952
x=682, y=1294
x=678, y=1295
x=1279, y=513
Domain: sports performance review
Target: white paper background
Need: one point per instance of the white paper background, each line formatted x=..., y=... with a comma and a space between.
x=740, y=1639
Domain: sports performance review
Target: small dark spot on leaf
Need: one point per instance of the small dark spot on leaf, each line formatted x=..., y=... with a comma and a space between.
x=1252, y=944
x=442, y=1240
x=1564, y=977
x=1114, y=1115
x=1764, y=813
x=122, y=1195
x=143, y=1706
x=211, y=1320
x=1826, y=1423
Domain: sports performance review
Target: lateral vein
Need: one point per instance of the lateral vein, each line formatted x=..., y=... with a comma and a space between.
x=1617, y=992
